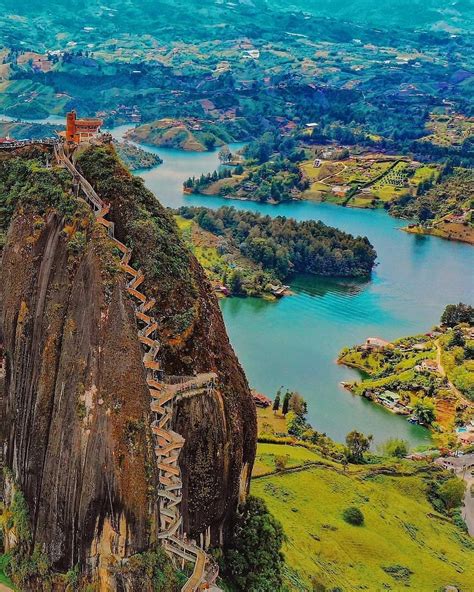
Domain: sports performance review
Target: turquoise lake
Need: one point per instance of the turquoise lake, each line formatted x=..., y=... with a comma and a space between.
x=294, y=342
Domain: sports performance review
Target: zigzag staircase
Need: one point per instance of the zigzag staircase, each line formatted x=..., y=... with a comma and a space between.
x=164, y=392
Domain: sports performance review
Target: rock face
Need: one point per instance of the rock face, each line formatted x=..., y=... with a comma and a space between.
x=76, y=437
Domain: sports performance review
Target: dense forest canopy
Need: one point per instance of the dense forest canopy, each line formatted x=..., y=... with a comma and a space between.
x=285, y=246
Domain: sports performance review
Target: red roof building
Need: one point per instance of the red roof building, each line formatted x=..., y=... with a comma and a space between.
x=78, y=130
x=261, y=400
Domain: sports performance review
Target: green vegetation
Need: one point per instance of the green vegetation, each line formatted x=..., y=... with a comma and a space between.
x=135, y=158
x=276, y=181
x=387, y=187
x=144, y=225
x=394, y=447
x=230, y=272
x=452, y=492
x=357, y=444
x=426, y=377
x=291, y=427
x=26, y=566
x=253, y=560
x=457, y=360
x=21, y=131
x=269, y=455
x=181, y=134
x=296, y=66
x=404, y=541
x=27, y=183
x=4, y=562
x=454, y=314
x=152, y=567
x=353, y=515
x=284, y=246
x=444, y=208
x=449, y=130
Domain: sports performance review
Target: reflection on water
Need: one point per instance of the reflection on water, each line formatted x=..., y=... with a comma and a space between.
x=321, y=286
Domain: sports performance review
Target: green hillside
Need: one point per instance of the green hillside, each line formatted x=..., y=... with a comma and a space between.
x=403, y=544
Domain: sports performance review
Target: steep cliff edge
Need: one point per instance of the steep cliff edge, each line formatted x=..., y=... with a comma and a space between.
x=78, y=444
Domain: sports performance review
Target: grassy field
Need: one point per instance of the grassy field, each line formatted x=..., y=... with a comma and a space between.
x=383, y=177
x=424, y=173
x=390, y=185
x=404, y=543
x=201, y=244
x=296, y=456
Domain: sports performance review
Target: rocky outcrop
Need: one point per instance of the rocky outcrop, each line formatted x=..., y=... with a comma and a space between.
x=77, y=444
x=77, y=440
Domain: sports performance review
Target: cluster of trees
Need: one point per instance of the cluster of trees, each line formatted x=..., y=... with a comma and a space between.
x=395, y=447
x=446, y=494
x=459, y=351
x=273, y=143
x=253, y=559
x=454, y=314
x=286, y=246
x=275, y=180
x=340, y=133
x=425, y=410
x=204, y=181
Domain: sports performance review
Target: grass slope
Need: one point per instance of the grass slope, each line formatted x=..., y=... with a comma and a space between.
x=404, y=543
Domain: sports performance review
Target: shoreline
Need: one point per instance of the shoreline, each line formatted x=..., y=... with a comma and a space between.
x=418, y=230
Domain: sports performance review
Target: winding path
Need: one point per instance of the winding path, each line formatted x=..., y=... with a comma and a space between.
x=164, y=392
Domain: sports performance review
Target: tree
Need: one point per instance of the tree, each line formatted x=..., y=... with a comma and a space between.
x=357, y=444
x=281, y=461
x=354, y=516
x=298, y=404
x=469, y=351
x=424, y=409
x=209, y=141
x=457, y=339
x=424, y=213
x=457, y=313
x=253, y=560
x=452, y=492
x=225, y=155
x=286, y=402
x=235, y=282
x=276, y=402
x=395, y=447
x=295, y=424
